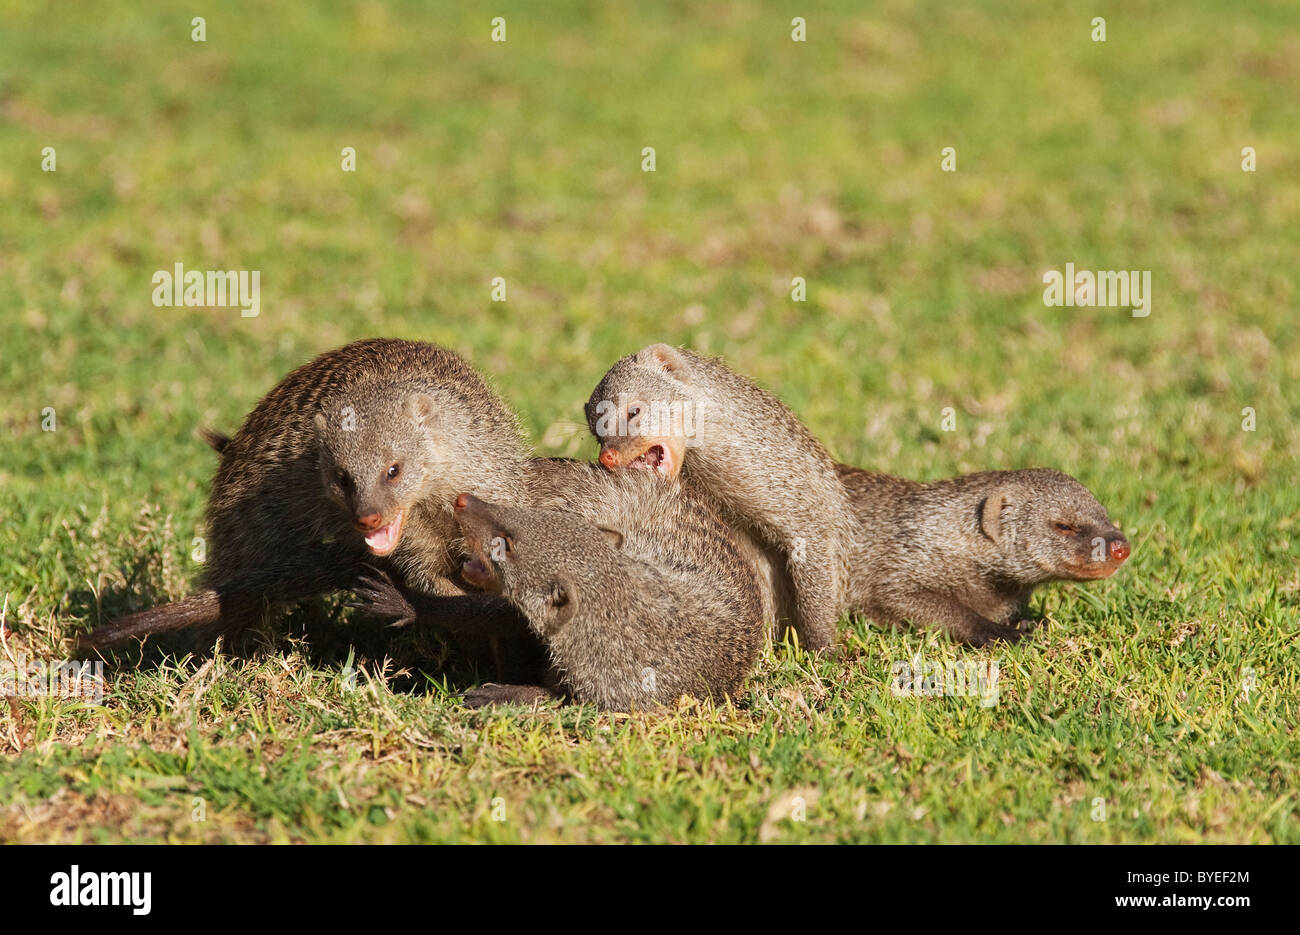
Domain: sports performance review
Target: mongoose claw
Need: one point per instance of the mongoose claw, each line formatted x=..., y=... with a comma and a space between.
x=378, y=596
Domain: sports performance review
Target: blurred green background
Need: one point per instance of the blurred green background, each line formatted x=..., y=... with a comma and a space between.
x=775, y=159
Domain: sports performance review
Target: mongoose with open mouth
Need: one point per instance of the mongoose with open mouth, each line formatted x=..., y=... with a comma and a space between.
x=658, y=605
x=674, y=412
x=966, y=553
x=355, y=457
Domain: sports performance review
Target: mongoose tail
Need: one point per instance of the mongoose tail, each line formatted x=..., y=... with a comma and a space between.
x=215, y=440
x=199, y=609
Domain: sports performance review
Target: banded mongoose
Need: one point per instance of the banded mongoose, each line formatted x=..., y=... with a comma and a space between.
x=966, y=553
x=659, y=605
x=674, y=412
x=685, y=530
x=354, y=458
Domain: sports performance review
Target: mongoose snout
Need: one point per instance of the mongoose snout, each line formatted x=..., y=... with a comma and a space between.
x=381, y=538
x=370, y=522
x=483, y=542
x=1099, y=554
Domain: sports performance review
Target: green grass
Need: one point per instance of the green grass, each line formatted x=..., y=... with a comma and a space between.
x=774, y=160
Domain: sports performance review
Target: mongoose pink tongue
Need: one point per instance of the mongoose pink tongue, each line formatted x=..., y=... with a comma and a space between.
x=656, y=459
x=476, y=572
x=384, y=540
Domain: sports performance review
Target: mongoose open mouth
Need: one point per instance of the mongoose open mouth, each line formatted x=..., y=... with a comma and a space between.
x=656, y=458
x=659, y=457
x=478, y=573
x=383, y=540
x=1096, y=570
x=1091, y=571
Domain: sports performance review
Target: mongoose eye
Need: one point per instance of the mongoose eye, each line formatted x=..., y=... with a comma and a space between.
x=394, y=470
x=1065, y=529
x=633, y=412
x=500, y=547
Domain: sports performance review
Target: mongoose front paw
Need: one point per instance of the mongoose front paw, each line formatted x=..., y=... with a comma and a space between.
x=378, y=596
x=490, y=693
x=987, y=632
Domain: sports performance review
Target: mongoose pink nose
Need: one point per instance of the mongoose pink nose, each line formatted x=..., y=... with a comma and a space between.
x=609, y=458
x=1118, y=550
x=462, y=501
x=370, y=521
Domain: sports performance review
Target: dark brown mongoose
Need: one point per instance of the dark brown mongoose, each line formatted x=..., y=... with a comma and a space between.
x=967, y=553
x=659, y=605
x=352, y=458
x=672, y=411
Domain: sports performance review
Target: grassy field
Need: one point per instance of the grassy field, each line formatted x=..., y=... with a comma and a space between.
x=1159, y=706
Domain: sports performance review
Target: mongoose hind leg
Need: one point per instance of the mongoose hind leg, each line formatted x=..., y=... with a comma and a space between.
x=492, y=693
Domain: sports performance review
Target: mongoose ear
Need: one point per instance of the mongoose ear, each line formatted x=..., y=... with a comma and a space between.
x=669, y=360
x=612, y=536
x=561, y=604
x=320, y=423
x=990, y=515
x=422, y=409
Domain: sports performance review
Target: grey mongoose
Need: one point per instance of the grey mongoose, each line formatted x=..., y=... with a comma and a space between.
x=673, y=530
x=676, y=412
x=354, y=458
x=658, y=605
x=966, y=553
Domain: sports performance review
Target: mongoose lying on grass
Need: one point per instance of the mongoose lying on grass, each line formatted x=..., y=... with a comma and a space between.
x=675, y=412
x=663, y=525
x=660, y=605
x=966, y=553
x=353, y=457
